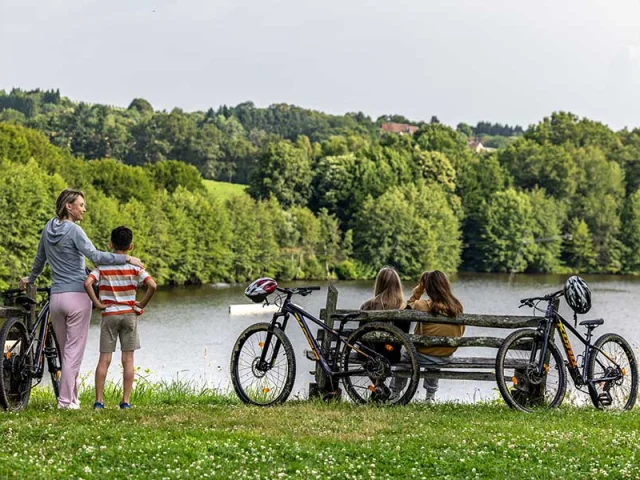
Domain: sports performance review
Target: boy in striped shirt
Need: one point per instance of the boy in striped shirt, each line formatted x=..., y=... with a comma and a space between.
x=117, y=285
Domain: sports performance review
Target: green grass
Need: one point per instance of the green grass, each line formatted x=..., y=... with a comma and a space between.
x=177, y=430
x=224, y=190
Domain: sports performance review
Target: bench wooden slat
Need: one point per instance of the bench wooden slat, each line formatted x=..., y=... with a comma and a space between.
x=469, y=319
x=482, y=376
x=428, y=341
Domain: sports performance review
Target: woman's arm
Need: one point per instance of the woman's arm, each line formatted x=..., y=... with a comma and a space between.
x=84, y=245
x=38, y=264
x=416, y=294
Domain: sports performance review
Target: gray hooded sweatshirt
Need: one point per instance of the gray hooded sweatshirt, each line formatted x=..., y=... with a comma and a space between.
x=64, y=245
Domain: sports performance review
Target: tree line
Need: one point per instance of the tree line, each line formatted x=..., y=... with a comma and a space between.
x=342, y=199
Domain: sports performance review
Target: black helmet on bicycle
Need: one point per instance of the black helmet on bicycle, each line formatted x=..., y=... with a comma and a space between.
x=577, y=294
x=259, y=289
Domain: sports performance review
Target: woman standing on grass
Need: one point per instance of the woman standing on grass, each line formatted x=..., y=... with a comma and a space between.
x=64, y=245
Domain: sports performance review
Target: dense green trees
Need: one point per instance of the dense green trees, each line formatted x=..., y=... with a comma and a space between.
x=329, y=195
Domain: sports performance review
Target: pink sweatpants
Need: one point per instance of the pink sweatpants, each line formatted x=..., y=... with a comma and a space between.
x=70, y=316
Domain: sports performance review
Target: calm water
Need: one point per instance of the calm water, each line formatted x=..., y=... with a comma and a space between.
x=187, y=333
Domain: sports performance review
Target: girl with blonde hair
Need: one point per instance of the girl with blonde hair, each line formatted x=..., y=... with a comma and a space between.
x=387, y=293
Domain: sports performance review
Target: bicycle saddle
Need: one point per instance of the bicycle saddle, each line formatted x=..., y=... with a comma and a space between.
x=592, y=323
x=25, y=301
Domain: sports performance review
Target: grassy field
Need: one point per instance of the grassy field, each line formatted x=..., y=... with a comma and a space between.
x=225, y=190
x=176, y=431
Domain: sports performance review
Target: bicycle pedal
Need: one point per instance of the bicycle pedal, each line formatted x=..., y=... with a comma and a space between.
x=310, y=355
x=604, y=399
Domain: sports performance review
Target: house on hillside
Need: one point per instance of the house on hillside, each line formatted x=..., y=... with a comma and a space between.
x=399, y=128
x=476, y=146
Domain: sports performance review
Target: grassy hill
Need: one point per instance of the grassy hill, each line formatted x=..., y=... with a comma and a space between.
x=225, y=190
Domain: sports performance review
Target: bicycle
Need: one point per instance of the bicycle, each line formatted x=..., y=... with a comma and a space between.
x=26, y=348
x=531, y=372
x=263, y=364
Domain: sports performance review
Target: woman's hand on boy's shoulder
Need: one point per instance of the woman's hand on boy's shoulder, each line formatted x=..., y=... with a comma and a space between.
x=135, y=261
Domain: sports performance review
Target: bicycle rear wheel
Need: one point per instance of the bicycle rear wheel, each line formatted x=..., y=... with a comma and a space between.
x=370, y=371
x=54, y=360
x=613, y=362
x=263, y=382
x=516, y=372
x=15, y=366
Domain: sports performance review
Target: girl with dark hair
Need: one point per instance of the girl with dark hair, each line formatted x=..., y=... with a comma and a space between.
x=440, y=302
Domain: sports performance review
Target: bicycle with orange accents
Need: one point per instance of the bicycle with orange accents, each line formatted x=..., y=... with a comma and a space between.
x=263, y=363
x=26, y=348
x=531, y=373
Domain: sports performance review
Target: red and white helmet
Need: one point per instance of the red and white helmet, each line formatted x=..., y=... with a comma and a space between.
x=259, y=289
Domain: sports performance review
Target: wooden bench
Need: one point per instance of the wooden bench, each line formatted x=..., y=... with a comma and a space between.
x=460, y=367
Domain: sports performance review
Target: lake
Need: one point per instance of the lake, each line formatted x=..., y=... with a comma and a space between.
x=187, y=332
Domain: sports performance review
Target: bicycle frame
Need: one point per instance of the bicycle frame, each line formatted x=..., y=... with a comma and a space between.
x=37, y=334
x=44, y=324
x=289, y=309
x=553, y=319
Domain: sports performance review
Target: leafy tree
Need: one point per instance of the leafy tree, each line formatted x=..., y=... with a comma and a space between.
x=541, y=166
x=284, y=171
x=141, y=105
x=548, y=216
x=566, y=128
x=631, y=233
x=579, y=250
x=464, y=129
x=507, y=233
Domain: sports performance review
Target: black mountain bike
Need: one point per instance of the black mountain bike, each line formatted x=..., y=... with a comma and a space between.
x=26, y=348
x=263, y=364
x=531, y=373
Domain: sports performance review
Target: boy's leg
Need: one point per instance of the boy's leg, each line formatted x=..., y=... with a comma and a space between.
x=127, y=375
x=129, y=342
x=108, y=339
x=101, y=375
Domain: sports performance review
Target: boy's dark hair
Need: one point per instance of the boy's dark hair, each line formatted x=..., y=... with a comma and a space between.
x=121, y=238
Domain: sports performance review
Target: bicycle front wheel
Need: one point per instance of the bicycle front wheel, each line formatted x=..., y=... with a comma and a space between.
x=519, y=382
x=16, y=365
x=263, y=365
x=613, y=374
x=54, y=360
x=372, y=368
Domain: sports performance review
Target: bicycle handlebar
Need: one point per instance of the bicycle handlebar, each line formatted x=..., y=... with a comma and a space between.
x=17, y=291
x=548, y=297
x=297, y=290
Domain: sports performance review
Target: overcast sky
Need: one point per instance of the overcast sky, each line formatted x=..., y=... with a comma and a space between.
x=463, y=60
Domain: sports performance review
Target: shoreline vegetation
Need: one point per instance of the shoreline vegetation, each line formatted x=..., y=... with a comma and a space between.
x=178, y=430
x=236, y=193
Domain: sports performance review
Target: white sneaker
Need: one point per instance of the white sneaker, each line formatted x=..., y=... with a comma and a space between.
x=71, y=406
